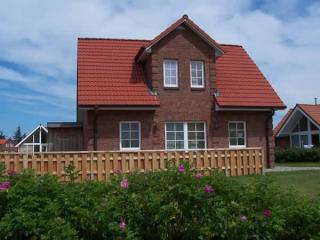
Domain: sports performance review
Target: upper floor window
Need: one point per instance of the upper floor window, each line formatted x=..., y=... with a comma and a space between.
x=170, y=73
x=130, y=135
x=237, y=134
x=196, y=74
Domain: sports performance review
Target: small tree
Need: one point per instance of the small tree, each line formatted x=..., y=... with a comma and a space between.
x=17, y=136
x=2, y=136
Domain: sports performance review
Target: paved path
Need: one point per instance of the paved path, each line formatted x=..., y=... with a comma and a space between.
x=289, y=169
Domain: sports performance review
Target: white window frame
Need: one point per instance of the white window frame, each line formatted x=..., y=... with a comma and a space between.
x=245, y=134
x=185, y=138
x=202, y=75
x=164, y=74
x=120, y=136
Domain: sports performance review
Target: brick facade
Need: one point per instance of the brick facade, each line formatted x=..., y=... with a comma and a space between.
x=177, y=104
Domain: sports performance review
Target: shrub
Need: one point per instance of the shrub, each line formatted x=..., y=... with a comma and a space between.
x=178, y=203
x=298, y=155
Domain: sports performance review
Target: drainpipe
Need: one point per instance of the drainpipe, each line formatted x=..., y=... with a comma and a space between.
x=267, y=138
x=95, y=128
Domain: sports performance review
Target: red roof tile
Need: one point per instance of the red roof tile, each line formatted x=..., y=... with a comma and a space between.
x=240, y=82
x=312, y=110
x=282, y=122
x=2, y=141
x=109, y=75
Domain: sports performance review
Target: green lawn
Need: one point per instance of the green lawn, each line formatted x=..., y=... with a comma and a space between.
x=304, y=182
x=299, y=164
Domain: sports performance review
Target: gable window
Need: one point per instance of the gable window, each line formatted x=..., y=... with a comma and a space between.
x=170, y=73
x=196, y=74
x=185, y=135
x=237, y=134
x=130, y=136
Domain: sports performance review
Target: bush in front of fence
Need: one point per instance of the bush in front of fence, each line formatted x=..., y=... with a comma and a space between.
x=298, y=155
x=175, y=204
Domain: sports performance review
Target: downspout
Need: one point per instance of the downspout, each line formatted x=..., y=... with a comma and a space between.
x=95, y=128
x=267, y=138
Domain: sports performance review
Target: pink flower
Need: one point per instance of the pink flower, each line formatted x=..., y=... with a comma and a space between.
x=4, y=186
x=243, y=218
x=267, y=212
x=122, y=225
x=199, y=175
x=181, y=168
x=208, y=188
x=124, y=183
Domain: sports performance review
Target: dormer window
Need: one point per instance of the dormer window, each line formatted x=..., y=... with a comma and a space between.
x=196, y=74
x=170, y=73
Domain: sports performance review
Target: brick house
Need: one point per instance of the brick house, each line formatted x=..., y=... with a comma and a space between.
x=299, y=128
x=180, y=91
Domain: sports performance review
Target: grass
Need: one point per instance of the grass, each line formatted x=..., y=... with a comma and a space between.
x=304, y=182
x=298, y=164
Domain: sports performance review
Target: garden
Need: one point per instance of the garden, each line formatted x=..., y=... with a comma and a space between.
x=177, y=203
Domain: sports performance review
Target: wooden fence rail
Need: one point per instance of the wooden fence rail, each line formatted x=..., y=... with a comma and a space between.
x=100, y=165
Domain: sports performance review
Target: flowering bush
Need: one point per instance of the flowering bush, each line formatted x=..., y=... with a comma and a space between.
x=178, y=203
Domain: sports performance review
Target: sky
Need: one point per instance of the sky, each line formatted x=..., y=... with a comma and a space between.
x=38, y=41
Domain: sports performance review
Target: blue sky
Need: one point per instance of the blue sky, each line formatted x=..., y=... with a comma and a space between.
x=38, y=46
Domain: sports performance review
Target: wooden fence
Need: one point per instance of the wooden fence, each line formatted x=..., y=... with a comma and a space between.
x=100, y=165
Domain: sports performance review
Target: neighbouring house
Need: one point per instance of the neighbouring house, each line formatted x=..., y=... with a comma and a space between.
x=179, y=91
x=8, y=145
x=35, y=141
x=299, y=128
x=2, y=145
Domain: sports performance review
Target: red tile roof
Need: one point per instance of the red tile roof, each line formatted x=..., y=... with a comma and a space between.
x=240, y=82
x=2, y=141
x=109, y=75
x=312, y=110
x=282, y=122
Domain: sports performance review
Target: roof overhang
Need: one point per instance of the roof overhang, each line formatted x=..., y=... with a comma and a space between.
x=295, y=115
x=237, y=108
x=119, y=107
x=64, y=125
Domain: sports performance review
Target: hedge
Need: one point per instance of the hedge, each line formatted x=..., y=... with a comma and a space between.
x=298, y=155
x=175, y=204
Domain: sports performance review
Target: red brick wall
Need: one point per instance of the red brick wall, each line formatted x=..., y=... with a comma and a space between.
x=181, y=104
x=282, y=143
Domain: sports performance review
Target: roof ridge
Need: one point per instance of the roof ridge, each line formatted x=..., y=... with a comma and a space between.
x=114, y=39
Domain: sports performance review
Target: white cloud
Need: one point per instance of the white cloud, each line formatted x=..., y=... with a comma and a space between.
x=42, y=36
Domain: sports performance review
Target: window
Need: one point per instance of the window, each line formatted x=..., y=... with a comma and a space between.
x=295, y=141
x=183, y=135
x=196, y=136
x=130, y=135
x=170, y=73
x=175, y=135
x=196, y=74
x=237, y=134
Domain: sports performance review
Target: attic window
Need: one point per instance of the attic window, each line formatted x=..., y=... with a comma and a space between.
x=196, y=74
x=170, y=73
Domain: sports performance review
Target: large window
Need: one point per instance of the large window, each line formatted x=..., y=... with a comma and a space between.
x=130, y=136
x=196, y=74
x=183, y=135
x=237, y=134
x=170, y=73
